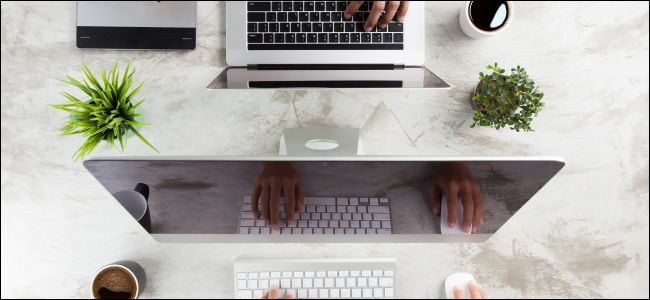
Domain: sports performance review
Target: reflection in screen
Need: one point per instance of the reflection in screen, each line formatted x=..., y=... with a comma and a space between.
x=327, y=197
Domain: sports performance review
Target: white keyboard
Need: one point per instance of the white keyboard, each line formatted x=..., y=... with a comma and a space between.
x=316, y=278
x=326, y=215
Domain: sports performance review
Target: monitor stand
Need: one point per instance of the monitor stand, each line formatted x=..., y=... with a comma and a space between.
x=320, y=142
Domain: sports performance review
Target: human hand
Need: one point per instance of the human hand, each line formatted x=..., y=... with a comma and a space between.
x=275, y=179
x=274, y=293
x=454, y=179
x=474, y=291
x=396, y=9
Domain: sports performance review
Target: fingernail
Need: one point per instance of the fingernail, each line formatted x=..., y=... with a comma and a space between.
x=474, y=230
x=347, y=15
x=466, y=229
x=275, y=227
x=400, y=19
x=368, y=29
x=451, y=224
x=382, y=26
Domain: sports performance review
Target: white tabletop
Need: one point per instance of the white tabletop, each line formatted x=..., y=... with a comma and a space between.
x=585, y=234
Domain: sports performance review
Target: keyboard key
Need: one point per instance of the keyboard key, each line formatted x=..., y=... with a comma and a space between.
x=274, y=27
x=302, y=293
x=309, y=6
x=306, y=27
x=330, y=5
x=301, y=38
x=290, y=38
x=356, y=293
x=259, y=6
x=325, y=17
x=398, y=38
x=320, y=5
x=313, y=293
x=333, y=37
x=386, y=282
x=286, y=6
x=276, y=6
x=252, y=27
x=387, y=37
x=271, y=17
x=256, y=17
x=282, y=17
x=314, y=16
x=244, y=294
x=297, y=6
x=355, y=37
x=303, y=16
x=292, y=17
x=285, y=27
x=349, y=27
x=378, y=209
x=388, y=293
x=341, y=5
x=373, y=282
x=262, y=27
x=279, y=37
x=395, y=27
x=344, y=38
x=337, y=16
x=312, y=38
x=339, y=282
x=345, y=293
x=322, y=37
x=251, y=284
x=378, y=292
x=328, y=27
x=381, y=217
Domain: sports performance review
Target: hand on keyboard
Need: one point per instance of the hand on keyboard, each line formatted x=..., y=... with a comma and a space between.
x=277, y=178
x=393, y=9
x=454, y=179
x=274, y=293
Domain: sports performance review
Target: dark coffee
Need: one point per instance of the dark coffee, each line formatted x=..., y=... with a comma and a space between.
x=489, y=15
x=114, y=283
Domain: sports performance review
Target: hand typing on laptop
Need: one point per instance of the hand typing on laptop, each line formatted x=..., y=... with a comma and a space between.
x=390, y=10
x=275, y=180
x=453, y=179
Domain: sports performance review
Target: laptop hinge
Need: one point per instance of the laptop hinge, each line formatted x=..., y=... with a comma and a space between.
x=325, y=67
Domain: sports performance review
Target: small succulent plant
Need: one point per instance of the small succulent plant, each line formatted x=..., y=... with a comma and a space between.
x=506, y=100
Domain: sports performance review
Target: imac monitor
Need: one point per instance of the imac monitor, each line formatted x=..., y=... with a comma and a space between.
x=326, y=199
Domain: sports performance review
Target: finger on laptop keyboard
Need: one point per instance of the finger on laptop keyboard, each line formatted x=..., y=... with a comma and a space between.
x=255, y=198
x=375, y=13
x=468, y=206
x=265, y=202
x=478, y=207
x=433, y=195
x=274, y=204
x=352, y=7
x=391, y=9
x=289, y=199
x=403, y=9
x=300, y=196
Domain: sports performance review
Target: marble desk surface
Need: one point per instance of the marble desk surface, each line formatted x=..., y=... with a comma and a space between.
x=585, y=234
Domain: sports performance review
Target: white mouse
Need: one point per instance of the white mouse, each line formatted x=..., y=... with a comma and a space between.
x=458, y=229
x=459, y=280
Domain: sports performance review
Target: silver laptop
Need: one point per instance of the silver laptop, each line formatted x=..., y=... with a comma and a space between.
x=295, y=44
x=136, y=24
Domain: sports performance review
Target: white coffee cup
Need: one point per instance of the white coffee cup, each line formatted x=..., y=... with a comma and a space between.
x=132, y=269
x=471, y=30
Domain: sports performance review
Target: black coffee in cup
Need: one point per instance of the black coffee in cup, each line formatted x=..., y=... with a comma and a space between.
x=489, y=15
x=114, y=283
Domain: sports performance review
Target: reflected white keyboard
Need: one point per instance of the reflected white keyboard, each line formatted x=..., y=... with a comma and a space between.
x=326, y=215
x=316, y=278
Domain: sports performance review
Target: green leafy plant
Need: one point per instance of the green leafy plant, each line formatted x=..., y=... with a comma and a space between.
x=108, y=114
x=506, y=100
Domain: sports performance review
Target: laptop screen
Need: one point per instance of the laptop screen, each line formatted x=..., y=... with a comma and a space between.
x=310, y=197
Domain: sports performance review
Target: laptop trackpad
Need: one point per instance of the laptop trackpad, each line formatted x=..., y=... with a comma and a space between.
x=407, y=77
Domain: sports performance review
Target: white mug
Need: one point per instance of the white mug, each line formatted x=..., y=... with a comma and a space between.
x=471, y=30
x=133, y=269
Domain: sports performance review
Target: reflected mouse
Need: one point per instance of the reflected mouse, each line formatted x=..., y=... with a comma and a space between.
x=459, y=280
x=458, y=229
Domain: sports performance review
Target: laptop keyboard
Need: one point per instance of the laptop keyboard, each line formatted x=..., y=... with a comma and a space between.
x=326, y=215
x=316, y=25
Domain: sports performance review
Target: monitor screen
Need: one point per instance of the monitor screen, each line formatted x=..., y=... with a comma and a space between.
x=298, y=196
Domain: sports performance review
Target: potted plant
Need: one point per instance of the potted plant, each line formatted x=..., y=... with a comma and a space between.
x=107, y=114
x=501, y=100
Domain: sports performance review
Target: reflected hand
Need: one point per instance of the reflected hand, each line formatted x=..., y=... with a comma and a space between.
x=474, y=291
x=454, y=179
x=277, y=178
x=395, y=9
x=274, y=293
